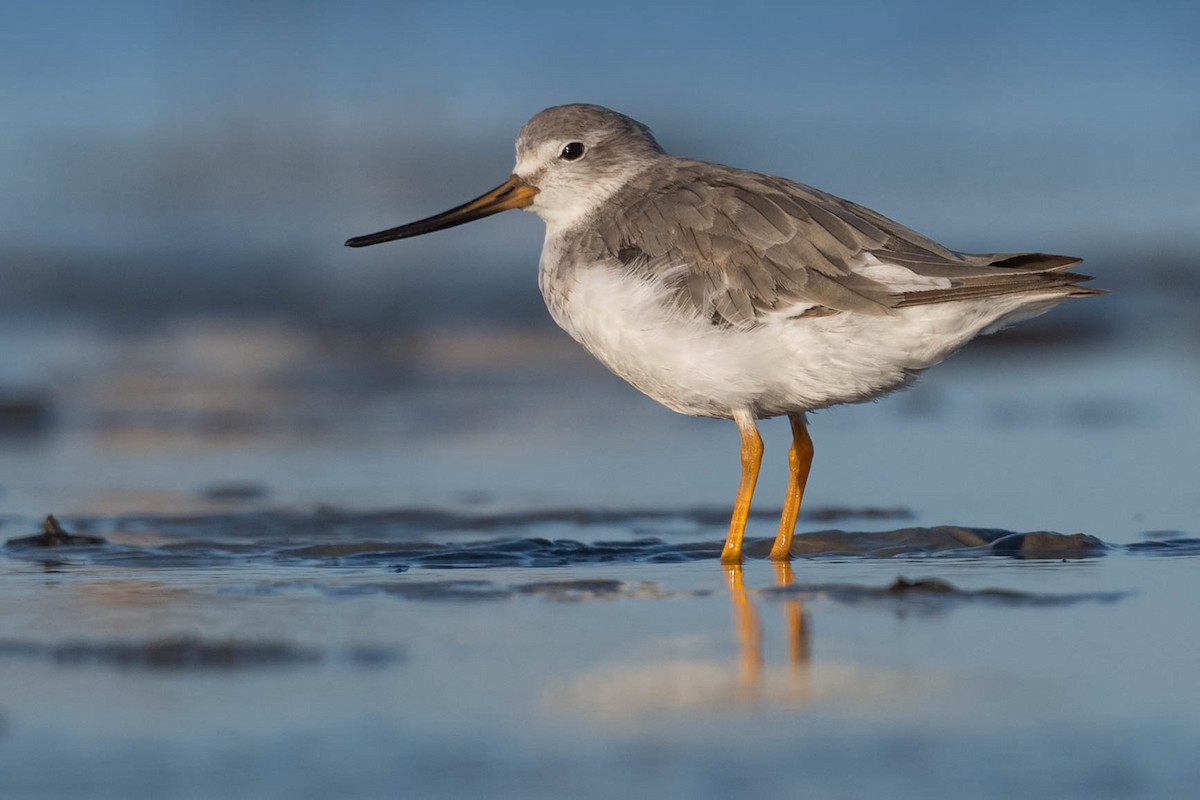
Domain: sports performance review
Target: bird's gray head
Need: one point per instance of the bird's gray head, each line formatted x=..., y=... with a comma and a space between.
x=577, y=156
x=570, y=159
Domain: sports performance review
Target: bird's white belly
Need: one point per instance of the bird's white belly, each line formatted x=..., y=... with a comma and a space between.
x=783, y=365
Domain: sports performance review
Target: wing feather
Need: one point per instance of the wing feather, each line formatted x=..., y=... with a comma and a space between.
x=736, y=245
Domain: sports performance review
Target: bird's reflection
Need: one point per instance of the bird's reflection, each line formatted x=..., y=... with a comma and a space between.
x=749, y=632
x=627, y=692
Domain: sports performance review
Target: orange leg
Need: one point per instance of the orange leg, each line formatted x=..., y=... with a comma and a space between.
x=752, y=450
x=800, y=458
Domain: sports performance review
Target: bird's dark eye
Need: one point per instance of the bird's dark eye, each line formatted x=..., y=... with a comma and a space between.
x=572, y=151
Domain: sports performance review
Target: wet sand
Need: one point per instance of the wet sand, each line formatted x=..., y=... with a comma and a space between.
x=289, y=565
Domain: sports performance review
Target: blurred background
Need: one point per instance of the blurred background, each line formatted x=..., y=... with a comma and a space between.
x=186, y=347
x=177, y=157
x=180, y=177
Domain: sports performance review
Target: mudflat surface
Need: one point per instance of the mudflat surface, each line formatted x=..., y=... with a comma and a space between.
x=294, y=564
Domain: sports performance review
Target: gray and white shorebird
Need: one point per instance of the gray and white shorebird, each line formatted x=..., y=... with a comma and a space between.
x=736, y=295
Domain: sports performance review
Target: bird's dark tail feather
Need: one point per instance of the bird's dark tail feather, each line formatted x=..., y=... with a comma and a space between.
x=1015, y=273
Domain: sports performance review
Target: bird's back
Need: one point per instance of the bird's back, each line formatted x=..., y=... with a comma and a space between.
x=735, y=246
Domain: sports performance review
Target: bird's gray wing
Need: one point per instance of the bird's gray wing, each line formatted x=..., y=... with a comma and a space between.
x=735, y=246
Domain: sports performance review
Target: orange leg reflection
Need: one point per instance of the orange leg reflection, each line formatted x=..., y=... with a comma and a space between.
x=749, y=630
x=796, y=622
x=749, y=633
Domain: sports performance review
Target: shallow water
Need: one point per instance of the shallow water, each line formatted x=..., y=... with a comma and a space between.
x=455, y=565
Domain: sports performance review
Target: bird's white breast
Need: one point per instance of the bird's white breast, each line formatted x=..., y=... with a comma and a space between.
x=786, y=364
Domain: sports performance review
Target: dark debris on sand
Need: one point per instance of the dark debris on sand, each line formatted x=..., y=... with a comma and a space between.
x=25, y=414
x=234, y=492
x=420, y=538
x=933, y=593
x=53, y=535
x=559, y=591
x=543, y=552
x=1182, y=546
x=188, y=653
x=923, y=594
x=941, y=539
x=418, y=520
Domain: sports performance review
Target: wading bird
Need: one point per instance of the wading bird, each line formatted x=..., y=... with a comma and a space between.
x=731, y=294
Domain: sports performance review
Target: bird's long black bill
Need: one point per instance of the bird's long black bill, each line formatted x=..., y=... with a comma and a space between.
x=513, y=193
